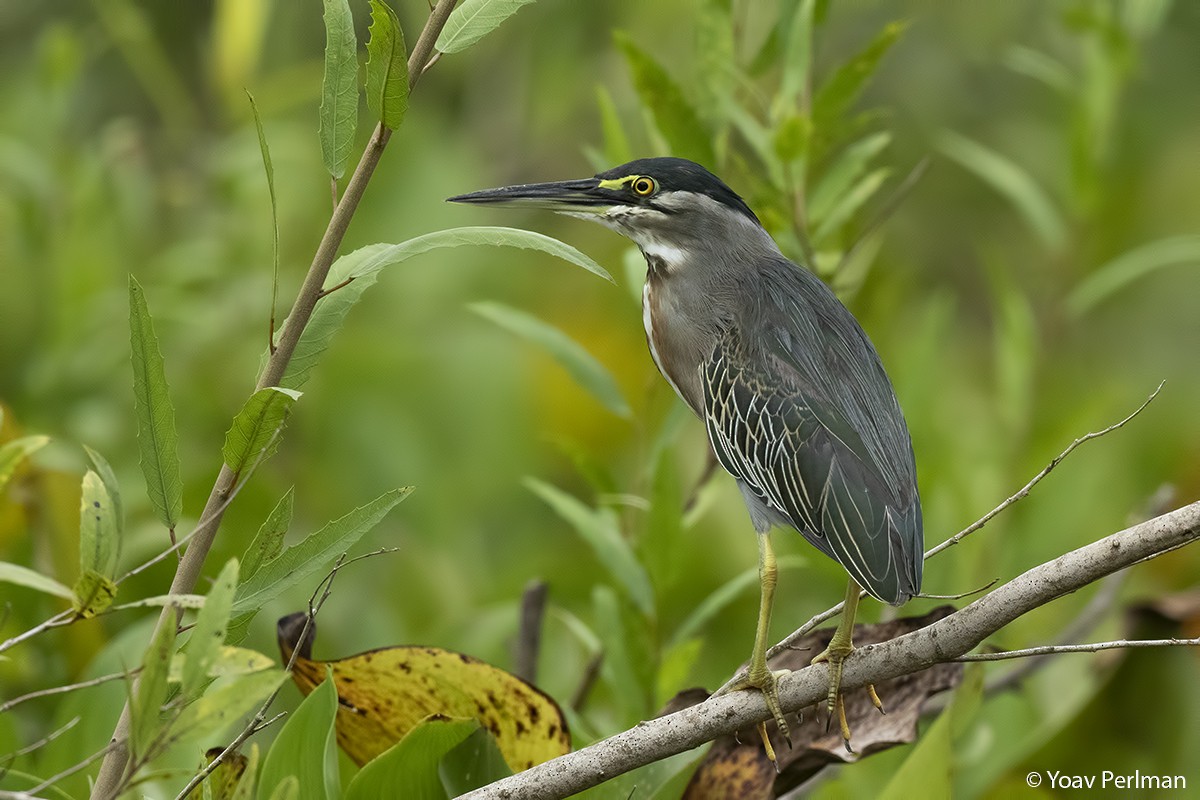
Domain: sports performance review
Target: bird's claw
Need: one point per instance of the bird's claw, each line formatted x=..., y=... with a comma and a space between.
x=767, y=682
x=836, y=656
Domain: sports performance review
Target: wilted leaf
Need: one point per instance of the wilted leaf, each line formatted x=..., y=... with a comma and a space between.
x=158, y=442
x=474, y=19
x=383, y=694
x=98, y=543
x=24, y=576
x=113, y=488
x=253, y=433
x=816, y=744
x=147, y=703
x=268, y=540
x=339, y=88
x=387, y=67
x=93, y=593
x=582, y=365
x=304, y=748
x=208, y=634
x=303, y=559
x=223, y=781
x=245, y=787
x=674, y=116
x=14, y=452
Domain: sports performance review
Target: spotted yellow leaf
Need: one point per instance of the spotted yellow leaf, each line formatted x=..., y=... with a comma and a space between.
x=385, y=693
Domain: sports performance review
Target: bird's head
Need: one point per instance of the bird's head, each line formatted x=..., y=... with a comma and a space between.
x=667, y=206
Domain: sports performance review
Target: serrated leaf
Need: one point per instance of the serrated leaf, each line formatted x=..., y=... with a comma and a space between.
x=208, y=634
x=600, y=531
x=268, y=540
x=387, y=67
x=94, y=593
x=339, y=88
x=158, y=442
x=301, y=560
x=218, y=708
x=582, y=365
x=474, y=19
x=14, y=452
x=842, y=174
x=99, y=545
x=23, y=576
x=304, y=748
x=1132, y=266
x=362, y=268
x=229, y=661
x=110, y=484
x=147, y=702
x=674, y=115
x=1013, y=182
x=412, y=762
x=849, y=203
x=253, y=433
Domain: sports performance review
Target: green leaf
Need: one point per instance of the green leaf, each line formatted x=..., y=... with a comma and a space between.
x=1131, y=266
x=289, y=789
x=716, y=63
x=582, y=366
x=660, y=542
x=14, y=452
x=927, y=771
x=616, y=143
x=361, y=268
x=94, y=593
x=146, y=706
x=842, y=174
x=269, y=169
x=229, y=661
x=1014, y=342
x=1016, y=185
x=220, y=707
x=674, y=116
x=99, y=545
x=160, y=600
x=844, y=86
x=339, y=88
x=254, y=428
x=158, y=443
x=387, y=67
x=619, y=667
x=412, y=762
x=849, y=203
x=796, y=60
x=23, y=576
x=1039, y=66
x=208, y=635
x=111, y=486
x=268, y=541
x=474, y=763
x=304, y=748
x=474, y=19
x=599, y=530
x=299, y=561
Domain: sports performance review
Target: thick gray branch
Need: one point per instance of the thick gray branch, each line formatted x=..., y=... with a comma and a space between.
x=944, y=640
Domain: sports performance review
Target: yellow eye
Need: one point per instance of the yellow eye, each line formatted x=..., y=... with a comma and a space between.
x=644, y=186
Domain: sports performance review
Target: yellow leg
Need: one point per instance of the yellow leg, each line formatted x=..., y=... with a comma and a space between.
x=841, y=646
x=759, y=676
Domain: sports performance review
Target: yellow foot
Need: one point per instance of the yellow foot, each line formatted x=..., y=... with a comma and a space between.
x=836, y=656
x=767, y=682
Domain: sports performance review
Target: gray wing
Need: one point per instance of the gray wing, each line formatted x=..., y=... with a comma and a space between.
x=799, y=410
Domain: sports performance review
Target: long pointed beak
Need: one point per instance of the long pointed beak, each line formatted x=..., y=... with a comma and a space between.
x=565, y=196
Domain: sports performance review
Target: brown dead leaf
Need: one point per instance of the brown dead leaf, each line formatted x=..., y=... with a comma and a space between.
x=737, y=767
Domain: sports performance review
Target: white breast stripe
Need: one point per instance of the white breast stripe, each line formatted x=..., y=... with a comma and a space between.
x=648, y=323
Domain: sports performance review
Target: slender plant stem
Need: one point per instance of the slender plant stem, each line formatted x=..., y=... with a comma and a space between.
x=1094, y=647
x=112, y=771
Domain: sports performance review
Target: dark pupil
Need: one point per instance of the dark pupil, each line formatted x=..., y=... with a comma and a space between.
x=642, y=186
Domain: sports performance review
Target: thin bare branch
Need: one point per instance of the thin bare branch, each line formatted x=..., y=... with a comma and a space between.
x=71, y=687
x=57, y=621
x=528, y=645
x=40, y=743
x=1094, y=647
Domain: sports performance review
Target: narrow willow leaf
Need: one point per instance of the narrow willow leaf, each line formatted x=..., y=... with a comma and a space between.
x=301, y=560
x=1016, y=185
x=305, y=747
x=94, y=593
x=844, y=86
x=387, y=67
x=474, y=19
x=110, y=484
x=582, y=366
x=339, y=89
x=208, y=634
x=145, y=709
x=716, y=73
x=160, y=600
x=268, y=541
x=842, y=174
x=616, y=142
x=99, y=545
x=1039, y=66
x=254, y=428
x=412, y=762
x=219, y=708
x=361, y=268
x=618, y=666
x=14, y=452
x=1132, y=266
x=158, y=443
x=849, y=203
x=600, y=531
x=797, y=59
x=269, y=169
x=674, y=116
x=24, y=576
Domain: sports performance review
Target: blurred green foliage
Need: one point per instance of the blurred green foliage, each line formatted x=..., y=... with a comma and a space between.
x=1035, y=282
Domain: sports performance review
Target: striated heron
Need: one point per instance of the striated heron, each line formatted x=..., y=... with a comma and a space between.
x=795, y=400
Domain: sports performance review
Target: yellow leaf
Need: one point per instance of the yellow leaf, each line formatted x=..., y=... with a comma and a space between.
x=384, y=693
